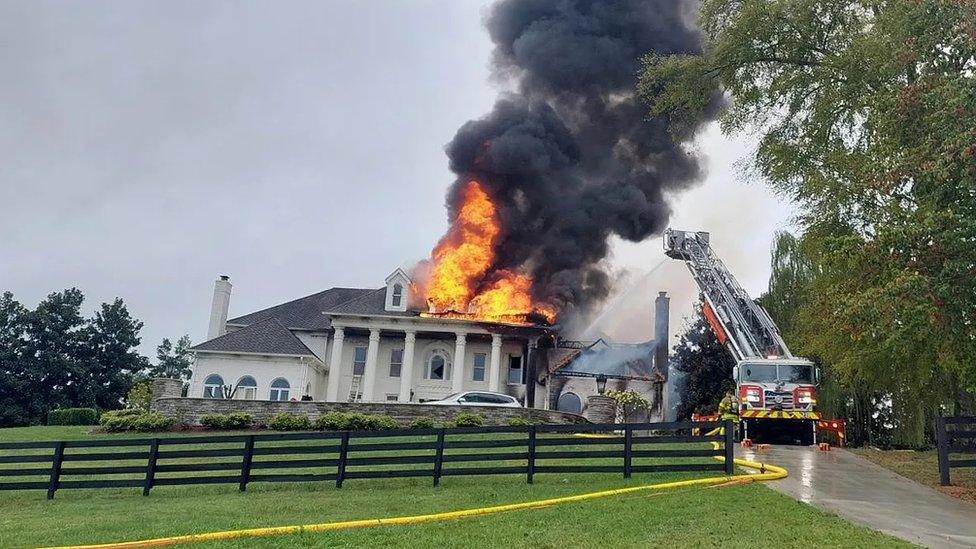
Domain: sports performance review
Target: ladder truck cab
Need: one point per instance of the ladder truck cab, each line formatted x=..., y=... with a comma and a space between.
x=776, y=390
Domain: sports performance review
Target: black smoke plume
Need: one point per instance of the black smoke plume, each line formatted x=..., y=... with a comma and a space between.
x=570, y=156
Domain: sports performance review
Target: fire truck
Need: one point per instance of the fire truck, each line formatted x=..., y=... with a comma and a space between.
x=776, y=391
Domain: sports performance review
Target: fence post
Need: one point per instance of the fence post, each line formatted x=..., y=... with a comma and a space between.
x=628, y=451
x=55, y=469
x=343, y=453
x=246, y=462
x=530, y=463
x=942, y=442
x=729, y=447
x=439, y=457
x=151, y=467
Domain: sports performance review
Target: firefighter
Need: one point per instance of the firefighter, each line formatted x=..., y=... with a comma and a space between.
x=728, y=408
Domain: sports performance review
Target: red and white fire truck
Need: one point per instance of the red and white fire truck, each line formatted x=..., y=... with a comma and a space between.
x=777, y=392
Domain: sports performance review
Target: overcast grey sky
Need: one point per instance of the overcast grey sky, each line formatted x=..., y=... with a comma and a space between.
x=146, y=147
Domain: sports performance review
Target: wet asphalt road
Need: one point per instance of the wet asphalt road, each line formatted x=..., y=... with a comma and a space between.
x=865, y=493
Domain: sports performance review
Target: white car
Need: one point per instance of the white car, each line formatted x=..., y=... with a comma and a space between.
x=477, y=398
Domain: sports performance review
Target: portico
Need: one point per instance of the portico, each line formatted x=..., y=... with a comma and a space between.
x=454, y=356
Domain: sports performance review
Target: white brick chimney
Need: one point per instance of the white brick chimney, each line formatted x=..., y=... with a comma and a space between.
x=219, y=307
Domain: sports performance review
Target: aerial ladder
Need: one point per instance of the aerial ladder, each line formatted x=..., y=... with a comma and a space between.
x=776, y=390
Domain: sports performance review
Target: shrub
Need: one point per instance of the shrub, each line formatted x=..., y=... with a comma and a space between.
x=139, y=396
x=283, y=421
x=135, y=420
x=333, y=421
x=449, y=424
x=381, y=423
x=518, y=422
x=468, y=419
x=234, y=420
x=357, y=422
x=422, y=423
x=73, y=416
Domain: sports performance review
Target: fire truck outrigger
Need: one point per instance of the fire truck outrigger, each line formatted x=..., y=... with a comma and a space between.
x=776, y=390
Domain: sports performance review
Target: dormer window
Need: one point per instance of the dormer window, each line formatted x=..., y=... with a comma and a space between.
x=396, y=285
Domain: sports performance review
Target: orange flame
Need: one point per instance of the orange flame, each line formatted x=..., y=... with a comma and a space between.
x=462, y=279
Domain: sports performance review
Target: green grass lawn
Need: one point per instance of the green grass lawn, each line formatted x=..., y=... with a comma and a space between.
x=923, y=467
x=729, y=516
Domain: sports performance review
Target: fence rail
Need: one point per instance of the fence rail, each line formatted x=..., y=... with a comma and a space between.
x=339, y=456
x=954, y=435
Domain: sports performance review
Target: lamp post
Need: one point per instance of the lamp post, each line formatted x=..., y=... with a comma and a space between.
x=601, y=384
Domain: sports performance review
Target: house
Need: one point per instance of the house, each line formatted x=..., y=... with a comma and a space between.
x=369, y=345
x=360, y=344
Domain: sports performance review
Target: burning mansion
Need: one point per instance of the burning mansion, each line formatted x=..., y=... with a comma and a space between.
x=370, y=345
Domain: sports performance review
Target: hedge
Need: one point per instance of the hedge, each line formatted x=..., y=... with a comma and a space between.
x=234, y=420
x=73, y=416
x=135, y=420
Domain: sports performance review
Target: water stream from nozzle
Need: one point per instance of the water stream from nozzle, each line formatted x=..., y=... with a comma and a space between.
x=612, y=305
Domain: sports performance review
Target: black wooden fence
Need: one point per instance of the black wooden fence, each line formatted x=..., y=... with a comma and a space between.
x=338, y=456
x=954, y=435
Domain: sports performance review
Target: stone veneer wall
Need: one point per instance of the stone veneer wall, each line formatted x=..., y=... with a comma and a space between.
x=189, y=410
x=601, y=409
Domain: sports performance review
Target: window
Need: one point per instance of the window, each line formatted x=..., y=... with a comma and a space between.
x=515, y=374
x=478, y=372
x=392, y=398
x=396, y=362
x=569, y=402
x=247, y=388
x=213, y=387
x=438, y=367
x=279, y=389
x=397, y=295
x=359, y=361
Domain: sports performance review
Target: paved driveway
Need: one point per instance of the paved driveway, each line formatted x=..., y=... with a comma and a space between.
x=865, y=493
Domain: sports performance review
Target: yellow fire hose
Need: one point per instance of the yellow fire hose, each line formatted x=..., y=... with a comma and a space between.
x=766, y=472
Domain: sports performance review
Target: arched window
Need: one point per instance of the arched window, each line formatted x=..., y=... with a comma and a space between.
x=279, y=389
x=213, y=386
x=438, y=366
x=397, y=295
x=569, y=402
x=247, y=388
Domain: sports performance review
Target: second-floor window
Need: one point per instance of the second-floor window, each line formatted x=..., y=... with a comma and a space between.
x=397, y=295
x=359, y=361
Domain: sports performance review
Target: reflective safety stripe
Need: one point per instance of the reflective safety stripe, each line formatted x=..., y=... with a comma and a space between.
x=780, y=414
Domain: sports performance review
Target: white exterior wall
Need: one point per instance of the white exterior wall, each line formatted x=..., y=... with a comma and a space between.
x=423, y=389
x=264, y=370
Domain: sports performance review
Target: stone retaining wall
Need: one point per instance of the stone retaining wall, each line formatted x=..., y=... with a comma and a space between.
x=190, y=410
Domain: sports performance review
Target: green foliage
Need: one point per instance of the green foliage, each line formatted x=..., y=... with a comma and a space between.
x=139, y=395
x=333, y=421
x=705, y=367
x=283, y=421
x=423, y=423
x=865, y=112
x=52, y=357
x=468, y=419
x=135, y=420
x=173, y=361
x=233, y=420
x=73, y=416
x=627, y=402
x=518, y=422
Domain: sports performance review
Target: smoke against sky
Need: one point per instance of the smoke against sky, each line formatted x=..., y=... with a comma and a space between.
x=146, y=148
x=569, y=154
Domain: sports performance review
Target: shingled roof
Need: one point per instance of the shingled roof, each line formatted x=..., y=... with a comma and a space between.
x=371, y=302
x=269, y=337
x=305, y=313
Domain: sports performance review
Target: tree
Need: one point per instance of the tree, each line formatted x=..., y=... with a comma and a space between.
x=865, y=111
x=705, y=365
x=173, y=361
x=52, y=357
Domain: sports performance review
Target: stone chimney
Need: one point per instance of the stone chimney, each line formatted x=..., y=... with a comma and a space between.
x=662, y=308
x=218, y=309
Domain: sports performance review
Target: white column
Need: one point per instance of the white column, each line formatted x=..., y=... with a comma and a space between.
x=406, y=370
x=335, y=362
x=457, y=372
x=495, y=368
x=369, y=374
